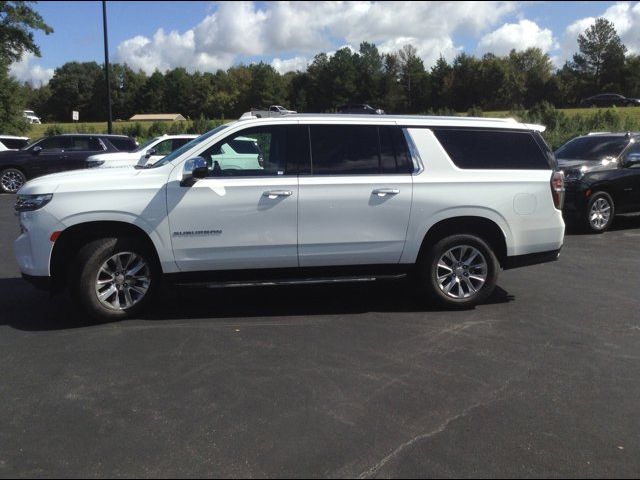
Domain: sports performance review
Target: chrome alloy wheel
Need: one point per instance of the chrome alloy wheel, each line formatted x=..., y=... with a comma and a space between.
x=461, y=272
x=122, y=281
x=600, y=213
x=12, y=180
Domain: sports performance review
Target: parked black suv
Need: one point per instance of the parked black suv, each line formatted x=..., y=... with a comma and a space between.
x=602, y=178
x=56, y=153
x=609, y=100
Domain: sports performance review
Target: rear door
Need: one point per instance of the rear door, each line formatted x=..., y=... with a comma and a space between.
x=355, y=195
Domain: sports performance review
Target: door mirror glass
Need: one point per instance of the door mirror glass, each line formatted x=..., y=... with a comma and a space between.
x=194, y=169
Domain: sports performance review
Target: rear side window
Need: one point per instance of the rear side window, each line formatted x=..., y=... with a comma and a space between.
x=14, y=143
x=492, y=149
x=358, y=150
x=124, y=144
x=88, y=144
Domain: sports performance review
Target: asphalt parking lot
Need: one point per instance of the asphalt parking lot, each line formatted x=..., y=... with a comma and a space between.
x=357, y=381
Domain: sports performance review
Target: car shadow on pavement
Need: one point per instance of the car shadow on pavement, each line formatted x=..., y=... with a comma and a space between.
x=28, y=309
x=620, y=222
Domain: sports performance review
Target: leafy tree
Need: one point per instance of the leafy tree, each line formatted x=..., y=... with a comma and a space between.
x=18, y=21
x=72, y=88
x=601, y=58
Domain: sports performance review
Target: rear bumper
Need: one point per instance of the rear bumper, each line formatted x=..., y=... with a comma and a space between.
x=530, y=259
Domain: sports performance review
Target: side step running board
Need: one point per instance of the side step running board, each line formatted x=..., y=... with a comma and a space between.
x=292, y=281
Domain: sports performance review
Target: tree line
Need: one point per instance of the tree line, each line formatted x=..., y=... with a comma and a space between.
x=398, y=82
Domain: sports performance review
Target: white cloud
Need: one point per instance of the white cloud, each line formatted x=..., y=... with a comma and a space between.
x=519, y=36
x=290, y=64
x=291, y=31
x=624, y=15
x=26, y=71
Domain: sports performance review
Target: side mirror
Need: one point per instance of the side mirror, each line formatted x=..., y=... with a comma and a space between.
x=632, y=159
x=36, y=150
x=194, y=169
x=150, y=152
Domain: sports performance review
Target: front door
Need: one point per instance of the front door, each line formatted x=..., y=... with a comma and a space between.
x=354, y=206
x=244, y=215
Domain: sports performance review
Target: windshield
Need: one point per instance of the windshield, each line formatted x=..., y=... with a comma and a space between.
x=187, y=146
x=594, y=148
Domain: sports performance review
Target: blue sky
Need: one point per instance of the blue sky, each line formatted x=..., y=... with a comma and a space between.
x=211, y=35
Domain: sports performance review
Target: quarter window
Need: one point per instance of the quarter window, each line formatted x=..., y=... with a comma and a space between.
x=492, y=149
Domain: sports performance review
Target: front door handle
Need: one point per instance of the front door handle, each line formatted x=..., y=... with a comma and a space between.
x=272, y=194
x=383, y=192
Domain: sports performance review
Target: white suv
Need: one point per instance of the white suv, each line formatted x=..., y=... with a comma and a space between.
x=332, y=198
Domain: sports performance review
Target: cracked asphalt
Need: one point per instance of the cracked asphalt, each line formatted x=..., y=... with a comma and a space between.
x=342, y=381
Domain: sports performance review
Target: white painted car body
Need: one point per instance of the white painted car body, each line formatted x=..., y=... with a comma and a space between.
x=324, y=221
x=31, y=117
x=139, y=156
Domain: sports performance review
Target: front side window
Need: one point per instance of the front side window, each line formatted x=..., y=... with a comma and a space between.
x=55, y=143
x=259, y=151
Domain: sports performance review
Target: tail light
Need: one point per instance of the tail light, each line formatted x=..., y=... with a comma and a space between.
x=557, y=189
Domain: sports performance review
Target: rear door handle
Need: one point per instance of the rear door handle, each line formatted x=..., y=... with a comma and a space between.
x=277, y=193
x=383, y=192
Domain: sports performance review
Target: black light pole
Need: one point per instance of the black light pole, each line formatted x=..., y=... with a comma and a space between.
x=106, y=65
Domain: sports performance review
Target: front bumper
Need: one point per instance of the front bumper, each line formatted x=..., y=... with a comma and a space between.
x=41, y=283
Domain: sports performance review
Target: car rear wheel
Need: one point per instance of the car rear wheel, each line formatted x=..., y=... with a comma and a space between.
x=600, y=212
x=459, y=271
x=113, y=278
x=11, y=180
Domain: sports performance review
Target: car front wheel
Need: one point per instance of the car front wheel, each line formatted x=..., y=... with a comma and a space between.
x=11, y=180
x=600, y=211
x=113, y=278
x=459, y=271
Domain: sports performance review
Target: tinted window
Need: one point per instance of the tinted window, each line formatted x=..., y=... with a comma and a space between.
x=492, y=149
x=13, y=143
x=344, y=149
x=244, y=145
x=90, y=144
x=269, y=153
x=163, y=148
x=178, y=142
x=123, y=144
x=394, y=153
x=595, y=148
x=55, y=143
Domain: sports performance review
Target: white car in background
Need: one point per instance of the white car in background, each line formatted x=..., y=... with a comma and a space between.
x=148, y=153
x=9, y=142
x=30, y=116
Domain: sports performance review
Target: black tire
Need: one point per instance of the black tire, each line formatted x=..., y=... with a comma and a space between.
x=83, y=277
x=596, y=225
x=428, y=272
x=11, y=179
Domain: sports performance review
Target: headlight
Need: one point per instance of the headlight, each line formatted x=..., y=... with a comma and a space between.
x=94, y=163
x=573, y=175
x=29, y=203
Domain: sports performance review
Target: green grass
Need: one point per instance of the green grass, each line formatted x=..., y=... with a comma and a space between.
x=632, y=112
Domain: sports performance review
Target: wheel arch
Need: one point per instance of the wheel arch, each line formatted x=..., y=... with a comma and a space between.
x=483, y=227
x=74, y=237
